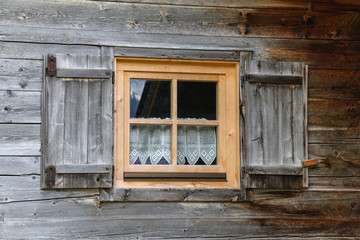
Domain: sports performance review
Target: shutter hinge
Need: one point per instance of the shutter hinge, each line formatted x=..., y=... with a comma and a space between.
x=51, y=66
x=50, y=176
x=113, y=77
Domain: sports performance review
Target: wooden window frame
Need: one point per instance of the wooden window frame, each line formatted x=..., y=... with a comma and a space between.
x=226, y=73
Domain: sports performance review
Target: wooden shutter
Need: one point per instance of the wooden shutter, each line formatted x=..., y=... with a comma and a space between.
x=77, y=122
x=274, y=140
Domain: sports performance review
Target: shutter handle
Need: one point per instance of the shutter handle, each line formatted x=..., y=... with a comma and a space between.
x=50, y=176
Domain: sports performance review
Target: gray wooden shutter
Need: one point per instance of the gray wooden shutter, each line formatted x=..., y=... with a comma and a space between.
x=274, y=140
x=77, y=144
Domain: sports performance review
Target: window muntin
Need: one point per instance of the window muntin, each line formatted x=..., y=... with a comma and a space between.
x=211, y=125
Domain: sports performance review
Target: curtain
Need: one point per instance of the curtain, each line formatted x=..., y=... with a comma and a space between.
x=150, y=144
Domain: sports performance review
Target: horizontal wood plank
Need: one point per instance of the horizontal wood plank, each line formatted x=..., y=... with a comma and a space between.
x=20, y=139
x=345, y=53
x=187, y=20
x=334, y=183
x=280, y=79
x=333, y=107
x=19, y=165
x=182, y=228
x=349, y=5
x=171, y=195
x=19, y=107
x=332, y=78
x=83, y=73
x=20, y=74
x=274, y=170
x=82, y=168
x=27, y=188
x=34, y=51
x=330, y=135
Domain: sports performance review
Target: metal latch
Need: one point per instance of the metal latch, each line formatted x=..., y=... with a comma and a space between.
x=50, y=176
x=51, y=66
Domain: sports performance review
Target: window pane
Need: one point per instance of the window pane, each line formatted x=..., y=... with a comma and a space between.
x=149, y=98
x=150, y=144
x=197, y=100
x=196, y=145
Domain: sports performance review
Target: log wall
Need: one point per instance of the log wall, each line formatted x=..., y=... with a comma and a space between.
x=323, y=34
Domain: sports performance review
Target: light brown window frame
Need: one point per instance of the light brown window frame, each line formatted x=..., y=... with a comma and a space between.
x=226, y=73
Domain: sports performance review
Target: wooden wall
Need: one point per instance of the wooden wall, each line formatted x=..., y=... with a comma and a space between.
x=323, y=34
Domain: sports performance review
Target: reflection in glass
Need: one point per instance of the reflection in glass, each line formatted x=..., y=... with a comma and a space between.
x=197, y=100
x=149, y=98
x=150, y=144
x=196, y=145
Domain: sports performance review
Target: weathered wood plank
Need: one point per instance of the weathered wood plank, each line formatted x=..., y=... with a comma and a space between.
x=335, y=121
x=335, y=159
x=177, y=53
x=172, y=195
x=82, y=168
x=334, y=183
x=331, y=135
x=340, y=94
x=266, y=204
x=20, y=139
x=181, y=228
x=345, y=52
x=33, y=51
x=319, y=78
x=19, y=165
x=20, y=74
x=19, y=107
x=349, y=5
x=332, y=107
x=187, y=20
x=27, y=188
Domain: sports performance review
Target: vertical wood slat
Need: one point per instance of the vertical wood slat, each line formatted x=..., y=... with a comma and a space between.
x=79, y=128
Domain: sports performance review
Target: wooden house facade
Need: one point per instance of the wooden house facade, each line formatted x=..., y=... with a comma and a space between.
x=288, y=75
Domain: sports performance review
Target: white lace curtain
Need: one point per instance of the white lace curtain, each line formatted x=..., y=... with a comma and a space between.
x=152, y=144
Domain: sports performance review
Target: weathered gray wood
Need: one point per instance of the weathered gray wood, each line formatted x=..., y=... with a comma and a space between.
x=20, y=139
x=266, y=181
x=182, y=228
x=19, y=165
x=171, y=195
x=83, y=73
x=19, y=107
x=79, y=123
x=334, y=183
x=188, y=20
x=27, y=188
x=20, y=74
x=274, y=132
x=282, y=79
x=265, y=4
x=82, y=168
x=35, y=51
x=274, y=170
x=208, y=54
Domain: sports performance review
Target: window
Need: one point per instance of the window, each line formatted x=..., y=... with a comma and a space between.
x=176, y=124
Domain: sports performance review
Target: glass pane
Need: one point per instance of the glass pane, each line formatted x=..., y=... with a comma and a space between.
x=197, y=100
x=150, y=98
x=196, y=145
x=150, y=144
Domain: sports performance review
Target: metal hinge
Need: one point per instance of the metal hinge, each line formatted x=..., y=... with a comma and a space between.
x=51, y=66
x=50, y=176
x=113, y=77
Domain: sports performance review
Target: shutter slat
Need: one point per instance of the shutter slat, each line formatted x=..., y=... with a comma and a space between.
x=78, y=117
x=82, y=168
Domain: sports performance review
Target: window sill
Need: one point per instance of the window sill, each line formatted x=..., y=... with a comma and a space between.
x=172, y=195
